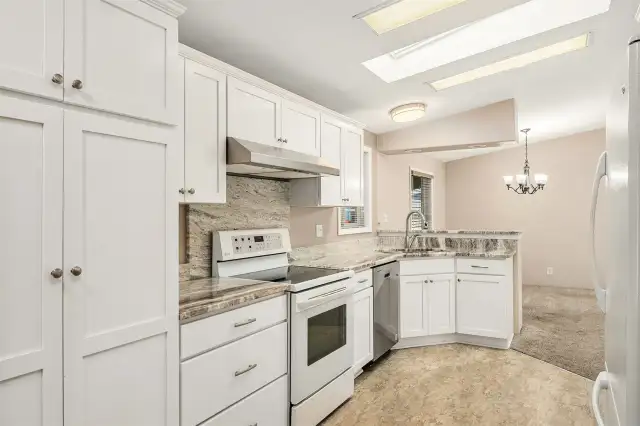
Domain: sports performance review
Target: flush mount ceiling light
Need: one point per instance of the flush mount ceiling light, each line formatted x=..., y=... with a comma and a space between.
x=518, y=23
x=523, y=181
x=514, y=62
x=408, y=112
x=396, y=13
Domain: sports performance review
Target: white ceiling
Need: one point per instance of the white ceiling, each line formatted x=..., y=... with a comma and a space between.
x=316, y=49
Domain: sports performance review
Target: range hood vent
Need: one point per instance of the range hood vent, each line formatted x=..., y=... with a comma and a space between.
x=255, y=159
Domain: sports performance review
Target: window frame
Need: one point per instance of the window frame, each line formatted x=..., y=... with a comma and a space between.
x=367, y=178
x=421, y=173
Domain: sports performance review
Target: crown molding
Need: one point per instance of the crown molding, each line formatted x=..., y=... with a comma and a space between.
x=170, y=7
x=206, y=60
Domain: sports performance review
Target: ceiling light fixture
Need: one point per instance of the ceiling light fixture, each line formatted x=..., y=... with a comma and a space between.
x=408, y=112
x=525, y=187
x=396, y=13
x=514, y=62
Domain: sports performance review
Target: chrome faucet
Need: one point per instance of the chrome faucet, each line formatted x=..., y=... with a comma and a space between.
x=408, y=243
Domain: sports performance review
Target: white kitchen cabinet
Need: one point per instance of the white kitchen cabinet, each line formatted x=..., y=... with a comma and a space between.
x=31, y=46
x=300, y=128
x=120, y=286
x=119, y=56
x=485, y=305
x=427, y=305
x=254, y=114
x=31, y=147
x=342, y=146
x=203, y=163
x=363, y=328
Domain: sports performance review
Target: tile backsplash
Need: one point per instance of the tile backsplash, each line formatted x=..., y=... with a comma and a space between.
x=251, y=203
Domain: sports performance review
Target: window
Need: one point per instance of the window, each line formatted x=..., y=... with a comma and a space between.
x=357, y=220
x=421, y=199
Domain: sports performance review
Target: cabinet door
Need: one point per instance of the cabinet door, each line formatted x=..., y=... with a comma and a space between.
x=483, y=306
x=253, y=113
x=363, y=328
x=300, y=128
x=31, y=39
x=331, y=189
x=351, y=170
x=413, y=306
x=30, y=249
x=121, y=304
x=205, y=134
x=441, y=306
x=124, y=54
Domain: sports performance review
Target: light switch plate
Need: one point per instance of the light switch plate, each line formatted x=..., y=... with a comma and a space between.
x=549, y=270
x=319, y=231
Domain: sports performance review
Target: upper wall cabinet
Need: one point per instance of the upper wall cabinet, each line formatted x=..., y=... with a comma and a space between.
x=257, y=115
x=31, y=46
x=204, y=131
x=110, y=55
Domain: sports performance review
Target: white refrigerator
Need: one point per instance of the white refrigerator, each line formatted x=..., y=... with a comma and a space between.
x=617, y=294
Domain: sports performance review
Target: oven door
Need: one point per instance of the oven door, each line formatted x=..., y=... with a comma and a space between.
x=321, y=337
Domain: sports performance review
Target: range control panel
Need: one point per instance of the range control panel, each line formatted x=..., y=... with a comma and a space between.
x=244, y=244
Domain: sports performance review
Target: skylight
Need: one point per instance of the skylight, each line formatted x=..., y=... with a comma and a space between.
x=514, y=62
x=526, y=20
x=396, y=13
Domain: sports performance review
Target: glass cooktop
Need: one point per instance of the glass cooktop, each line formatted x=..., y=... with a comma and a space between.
x=292, y=274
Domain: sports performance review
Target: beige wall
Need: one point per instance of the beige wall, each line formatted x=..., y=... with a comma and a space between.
x=304, y=220
x=394, y=188
x=487, y=125
x=555, y=221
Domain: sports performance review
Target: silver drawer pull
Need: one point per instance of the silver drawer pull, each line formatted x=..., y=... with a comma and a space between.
x=480, y=267
x=328, y=293
x=364, y=280
x=245, y=322
x=246, y=370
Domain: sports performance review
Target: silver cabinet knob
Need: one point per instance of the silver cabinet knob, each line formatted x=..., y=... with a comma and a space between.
x=459, y=280
x=181, y=190
x=285, y=140
x=76, y=271
x=426, y=281
x=279, y=139
x=77, y=84
x=57, y=273
x=57, y=78
x=430, y=281
x=192, y=191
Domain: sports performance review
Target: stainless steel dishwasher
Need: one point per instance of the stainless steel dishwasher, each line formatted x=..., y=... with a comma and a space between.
x=385, y=308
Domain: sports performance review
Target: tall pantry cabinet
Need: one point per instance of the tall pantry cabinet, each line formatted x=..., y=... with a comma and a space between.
x=88, y=229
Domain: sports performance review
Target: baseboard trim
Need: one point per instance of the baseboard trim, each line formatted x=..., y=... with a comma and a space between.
x=443, y=339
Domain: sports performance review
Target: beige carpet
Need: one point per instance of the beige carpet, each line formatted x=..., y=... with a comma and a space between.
x=465, y=385
x=563, y=327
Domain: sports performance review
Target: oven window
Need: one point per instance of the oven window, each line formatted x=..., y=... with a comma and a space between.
x=327, y=332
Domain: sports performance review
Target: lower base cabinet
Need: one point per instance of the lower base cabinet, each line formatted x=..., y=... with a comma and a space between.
x=363, y=328
x=427, y=305
x=485, y=305
x=267, y=407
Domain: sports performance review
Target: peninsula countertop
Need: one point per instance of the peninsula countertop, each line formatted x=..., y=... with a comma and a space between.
x=210, y=296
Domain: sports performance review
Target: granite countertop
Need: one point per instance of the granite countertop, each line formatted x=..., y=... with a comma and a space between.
x=210, y=296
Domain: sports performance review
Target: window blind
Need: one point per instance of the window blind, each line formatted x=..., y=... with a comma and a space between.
x=352, y=217
x=421, y=199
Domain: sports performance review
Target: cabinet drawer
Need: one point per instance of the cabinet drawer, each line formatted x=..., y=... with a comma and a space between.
x=267, y=407
x=214, y=381
x=483, y=266
x=427, y=266
x=363, y=279
x=208, y=333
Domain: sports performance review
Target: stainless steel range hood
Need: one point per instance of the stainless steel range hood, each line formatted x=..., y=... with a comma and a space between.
x=255, y=159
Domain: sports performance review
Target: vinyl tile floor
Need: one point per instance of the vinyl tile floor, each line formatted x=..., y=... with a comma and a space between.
x=465, y=385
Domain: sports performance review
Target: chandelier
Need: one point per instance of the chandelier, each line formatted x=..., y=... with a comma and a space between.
x=523, y=181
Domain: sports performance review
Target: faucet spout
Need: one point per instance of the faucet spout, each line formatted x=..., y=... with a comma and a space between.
x=409, y=242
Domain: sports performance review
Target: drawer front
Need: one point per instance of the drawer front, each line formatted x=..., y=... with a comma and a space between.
x=482, y=266
x=213, y=381
x=427, y=266
x=363, y=279
x=209, y=333
x=267, y=407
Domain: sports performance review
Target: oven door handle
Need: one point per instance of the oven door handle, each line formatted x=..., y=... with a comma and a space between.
x=323, y=298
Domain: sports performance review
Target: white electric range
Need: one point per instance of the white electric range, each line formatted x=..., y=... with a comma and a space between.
x=320, y=317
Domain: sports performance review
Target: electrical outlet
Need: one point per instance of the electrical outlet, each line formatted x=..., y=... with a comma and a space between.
x=319, y=231
x=549, y=270
x=385, y=218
